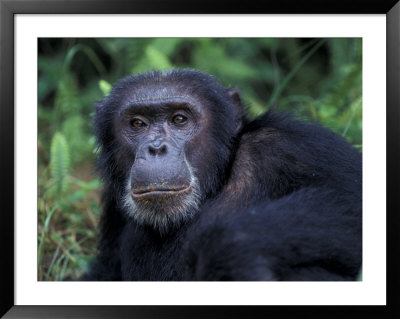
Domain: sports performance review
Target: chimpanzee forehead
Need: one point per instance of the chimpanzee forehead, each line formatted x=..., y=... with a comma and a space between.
x=169, y=83
x=161, y=104
x=152, y=91
x=165, y=92
x=159, y=88
x=159, y=92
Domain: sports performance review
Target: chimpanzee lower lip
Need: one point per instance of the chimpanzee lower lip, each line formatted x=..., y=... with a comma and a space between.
x=157, y=192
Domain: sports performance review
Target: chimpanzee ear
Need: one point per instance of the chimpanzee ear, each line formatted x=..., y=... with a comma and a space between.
x=234, y=95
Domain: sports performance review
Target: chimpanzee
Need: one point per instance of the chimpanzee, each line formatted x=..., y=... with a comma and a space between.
x=196, y=190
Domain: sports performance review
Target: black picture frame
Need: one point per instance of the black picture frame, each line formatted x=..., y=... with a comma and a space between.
x=8, y=10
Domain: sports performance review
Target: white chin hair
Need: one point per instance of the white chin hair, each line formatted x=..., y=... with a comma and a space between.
x=158, y=214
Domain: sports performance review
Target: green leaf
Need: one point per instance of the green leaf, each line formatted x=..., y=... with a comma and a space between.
x=67, y=102
x=59, y=162
x=105, y=87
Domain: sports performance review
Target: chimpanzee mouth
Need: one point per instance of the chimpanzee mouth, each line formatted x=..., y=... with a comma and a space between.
x=152, y=192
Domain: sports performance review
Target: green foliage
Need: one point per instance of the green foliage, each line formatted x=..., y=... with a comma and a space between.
x=316, y=79
x=66, y=101
x=73, y=128
x=67, y=227
x=105, y=87
x=59, y=162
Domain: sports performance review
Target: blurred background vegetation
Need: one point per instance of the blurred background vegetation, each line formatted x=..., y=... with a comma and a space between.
x=316, y=79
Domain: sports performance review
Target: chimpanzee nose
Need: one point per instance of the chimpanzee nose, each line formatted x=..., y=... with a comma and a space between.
x=157, y=149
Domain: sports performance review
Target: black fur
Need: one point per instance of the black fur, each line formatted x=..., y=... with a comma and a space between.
x=280, y=199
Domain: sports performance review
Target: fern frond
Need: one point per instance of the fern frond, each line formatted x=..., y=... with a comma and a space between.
x=59, y=162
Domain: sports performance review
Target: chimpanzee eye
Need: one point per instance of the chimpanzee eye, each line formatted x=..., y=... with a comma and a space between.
x=179, y=119
x=137, y=123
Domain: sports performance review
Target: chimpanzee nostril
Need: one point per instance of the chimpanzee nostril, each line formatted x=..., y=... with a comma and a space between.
x=157, y=149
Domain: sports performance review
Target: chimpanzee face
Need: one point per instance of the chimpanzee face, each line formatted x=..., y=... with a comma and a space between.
x=162, y=187
x=167, y=140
